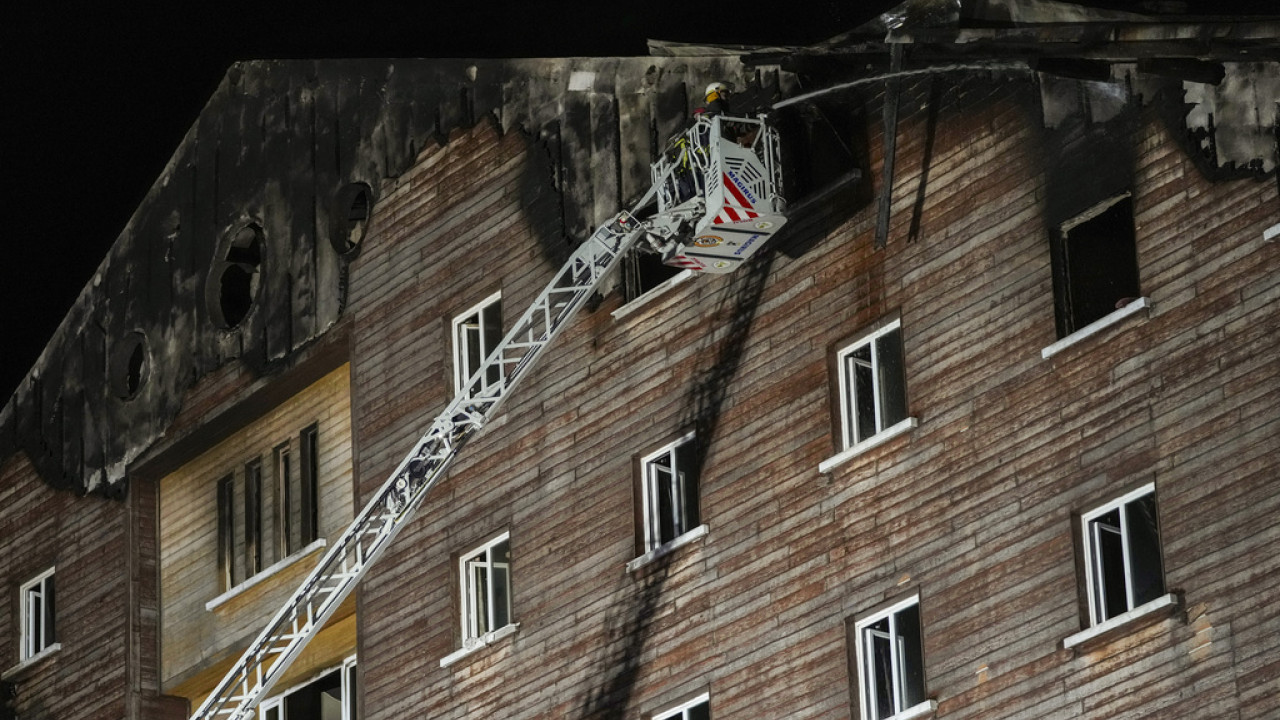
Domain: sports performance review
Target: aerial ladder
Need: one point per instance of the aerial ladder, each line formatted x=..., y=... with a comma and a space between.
x=714, y=201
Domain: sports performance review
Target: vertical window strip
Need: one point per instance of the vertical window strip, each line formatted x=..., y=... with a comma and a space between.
x=252, y=518
x=226, y=532
x=284, y=500
x=309, y=521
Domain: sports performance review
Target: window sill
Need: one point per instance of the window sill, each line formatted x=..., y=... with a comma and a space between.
x=483, y=641
x=879, y=438
x=1151, y=610
x=26, y=665
x=667, y=548
x=1095, y=327
x=928, y=707
x=1271, y=233
x=654, y=292
x=264, y=575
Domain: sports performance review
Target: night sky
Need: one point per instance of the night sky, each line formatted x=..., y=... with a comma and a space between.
x=97, y=99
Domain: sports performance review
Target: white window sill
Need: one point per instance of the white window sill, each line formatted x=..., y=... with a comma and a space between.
x=879, y=438
x=928, y=707
x=667, y=548
x=23, y=666
x=1271, y=233
x=475, y=644
x=263, y=575
x=1155, y=606
x=653, y=292
x=1096, y=327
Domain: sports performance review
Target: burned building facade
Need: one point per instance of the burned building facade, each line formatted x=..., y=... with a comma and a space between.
x=989, y=430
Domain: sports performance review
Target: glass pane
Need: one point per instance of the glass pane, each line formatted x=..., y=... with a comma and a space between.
x=492, y=329
x=687, y=465
x=664, y=504
x=1110, y=594
x=49, y=613
x=272, y=713
x=879, y=680
x=893, y=379
x=501, y=584
x=351, y=691
x=910, y=656
x=701, y=711
x=862, y=402
x=1144, y=550
x=480, y=598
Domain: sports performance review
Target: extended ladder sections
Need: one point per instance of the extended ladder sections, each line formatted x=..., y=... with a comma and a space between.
x=393, y=505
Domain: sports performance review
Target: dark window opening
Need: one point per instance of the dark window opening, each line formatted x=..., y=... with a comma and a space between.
x=253, y=518
x=234, y=277
x=1095, y=266
x=226, y=532
x=309, y=490
x=642, y=272
x=129, y=366
x=352, y=207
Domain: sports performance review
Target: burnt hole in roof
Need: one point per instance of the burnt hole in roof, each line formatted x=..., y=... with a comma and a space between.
x=130, y=366
x=232, y=285
x=352, y=207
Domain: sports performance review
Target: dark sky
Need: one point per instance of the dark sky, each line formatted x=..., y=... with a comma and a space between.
x=98, y=98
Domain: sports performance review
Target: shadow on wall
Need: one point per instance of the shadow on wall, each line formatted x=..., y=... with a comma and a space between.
x=630, y=624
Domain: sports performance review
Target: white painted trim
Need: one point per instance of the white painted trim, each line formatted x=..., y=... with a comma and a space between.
x=677, y=711
x=263, y=575
x=22, y=666
x=652, y=293
x=1096, y=327
x=1141, y=611
x=668, y=547
x=1271, y=233
x=879, y=438
x=928, y=707
x=483, y=641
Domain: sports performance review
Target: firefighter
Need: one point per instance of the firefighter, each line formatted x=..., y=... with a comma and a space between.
x=717, y=99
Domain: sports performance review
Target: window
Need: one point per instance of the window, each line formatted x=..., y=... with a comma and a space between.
x=253, y=517
x=259, y=524
x=1123, y=570
x=475, y=334
x=227, y=532
x=670, y=492
x=1095, y=264
x=642, y=272
x=698, y=708
x=890, y=661
x=486, y=590
x=331, y=697
x=38, y=616
x=873, y=386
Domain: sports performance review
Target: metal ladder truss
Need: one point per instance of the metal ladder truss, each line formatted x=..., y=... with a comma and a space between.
x=319, y=596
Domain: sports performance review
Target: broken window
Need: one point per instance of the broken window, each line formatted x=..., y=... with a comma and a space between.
x=698, y=708
x=890, y=659
x=350, y=218
x=485, y=578
x=331, y=697
x=475, y=334
x=1095, y=263
x=232, y=285
x=306, y=508
x=642, y=272
x=1123, y=569
x=873, y=386
x=38, y=622
x=227, y=533
x=253, y=517
x=669, y=478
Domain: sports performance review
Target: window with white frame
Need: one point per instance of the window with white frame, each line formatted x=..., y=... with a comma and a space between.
x=476, y=333
x=1123, y=569
x=332, y=696
x=485, y=578
x=670, y=490
x=873, y=386
x=698, y=708
x=38, y=616
x=890, y=659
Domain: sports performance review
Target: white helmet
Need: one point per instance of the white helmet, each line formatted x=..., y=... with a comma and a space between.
x=716, y=87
